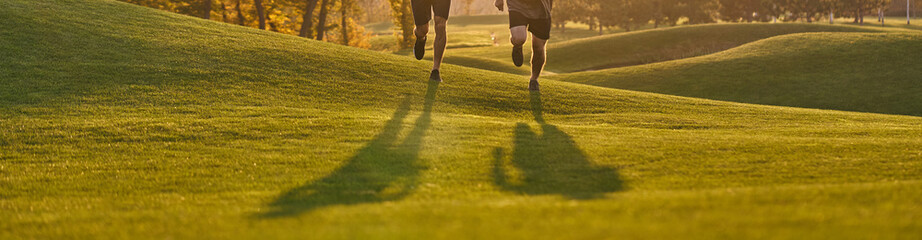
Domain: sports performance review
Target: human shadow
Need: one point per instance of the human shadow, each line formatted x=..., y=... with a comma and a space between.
x=382, y=170
x=551, y=164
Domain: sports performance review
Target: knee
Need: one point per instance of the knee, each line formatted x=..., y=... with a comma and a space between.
x=422, y=29
x=517, y=40
x=440, y=25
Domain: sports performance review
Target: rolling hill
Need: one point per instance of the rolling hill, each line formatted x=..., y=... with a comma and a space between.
x=655, y=45
x=124, y=122
x=867, y=72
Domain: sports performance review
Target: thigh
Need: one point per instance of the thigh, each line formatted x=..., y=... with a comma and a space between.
x=442, y=8
x=517, y=19
x=519, y=33
x=537, y=42
x=540, y=28
x=422, y=11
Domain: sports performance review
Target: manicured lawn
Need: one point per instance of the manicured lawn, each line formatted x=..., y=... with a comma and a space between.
x=867, y=72
x=123, y=122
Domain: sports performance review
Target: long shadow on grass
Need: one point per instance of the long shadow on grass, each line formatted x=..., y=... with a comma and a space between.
x=383, y=170
x=551, y=163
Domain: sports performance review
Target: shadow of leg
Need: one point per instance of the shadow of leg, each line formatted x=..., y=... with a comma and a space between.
x=551, y=163
x=380, y=171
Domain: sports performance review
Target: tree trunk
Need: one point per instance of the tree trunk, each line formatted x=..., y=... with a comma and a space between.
x=591, y=23
x=322, y=19
x=345, y=30
x=240, y=18
x=857, y=18
x=206, y=9
x=860, y=17
x=307, y=23
x=261, y=13
x=223, y=12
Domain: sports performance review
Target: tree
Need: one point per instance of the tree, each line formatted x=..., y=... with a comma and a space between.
x=700, y=11
x=580, y=11
x=307, y=20
x=206, y=9
x=322, y=19
x=350, y=33
x=344, y=7
x=260, y=13
x=626, y=14
x=241, y=19
x=741, y=10
x=402, y=15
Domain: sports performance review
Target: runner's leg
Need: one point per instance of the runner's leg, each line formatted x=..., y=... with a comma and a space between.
x=421, y=30
x=538, y=56
x=518, y=35
x=440, y=41
x=422, y=13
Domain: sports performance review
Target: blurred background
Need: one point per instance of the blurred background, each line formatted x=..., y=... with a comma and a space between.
x=386, y=25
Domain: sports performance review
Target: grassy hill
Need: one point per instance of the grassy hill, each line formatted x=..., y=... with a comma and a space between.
x=592, y=52
x=845, y=71
x=125, y=122
x=650, y=46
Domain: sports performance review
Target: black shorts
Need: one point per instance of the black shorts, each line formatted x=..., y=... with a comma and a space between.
x=422, y=10
x=541, y=28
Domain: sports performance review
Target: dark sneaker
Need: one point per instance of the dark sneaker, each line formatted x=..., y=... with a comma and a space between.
x=420, y=48
x=517, y=57
x=534, y=86
x=434, y=76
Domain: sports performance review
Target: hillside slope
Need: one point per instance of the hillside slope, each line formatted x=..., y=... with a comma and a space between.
x=124, y=122
x=651, y=46
x=845, y=71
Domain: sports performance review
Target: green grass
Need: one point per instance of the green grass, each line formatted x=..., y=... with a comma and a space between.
x=643, y=47
x=867, y=72
x=125, y=122
x=575, y=53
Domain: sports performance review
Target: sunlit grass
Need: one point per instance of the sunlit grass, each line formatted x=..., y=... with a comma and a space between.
x=124, y=122
x=868, y=72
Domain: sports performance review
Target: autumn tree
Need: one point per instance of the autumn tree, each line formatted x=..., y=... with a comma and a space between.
x=402, y=15
x=307, y=19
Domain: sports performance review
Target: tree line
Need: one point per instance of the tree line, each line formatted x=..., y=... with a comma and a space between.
x=341, y=21
x=630, y=14
x=335, y=21
x=338, y=21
